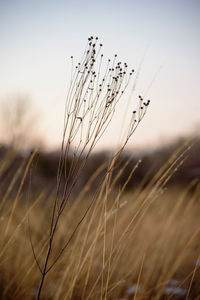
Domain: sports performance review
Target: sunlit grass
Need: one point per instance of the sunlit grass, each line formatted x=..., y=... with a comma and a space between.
x=129, y=245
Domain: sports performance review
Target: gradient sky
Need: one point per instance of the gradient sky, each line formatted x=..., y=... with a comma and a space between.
x=37, y=39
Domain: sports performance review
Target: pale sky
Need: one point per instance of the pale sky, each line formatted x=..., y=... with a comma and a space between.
x=37, y=39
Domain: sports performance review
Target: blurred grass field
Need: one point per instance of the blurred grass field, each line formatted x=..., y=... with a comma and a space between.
x=138, y=244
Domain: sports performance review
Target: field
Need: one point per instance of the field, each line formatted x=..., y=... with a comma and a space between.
x=139, y=244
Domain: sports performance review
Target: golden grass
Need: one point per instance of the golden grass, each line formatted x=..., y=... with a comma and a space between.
x=141, y=239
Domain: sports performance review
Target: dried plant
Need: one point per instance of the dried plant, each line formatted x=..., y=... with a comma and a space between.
x=95, y=89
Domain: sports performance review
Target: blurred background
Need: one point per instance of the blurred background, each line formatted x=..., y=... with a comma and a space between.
x=159, y=39
x=151, y=190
